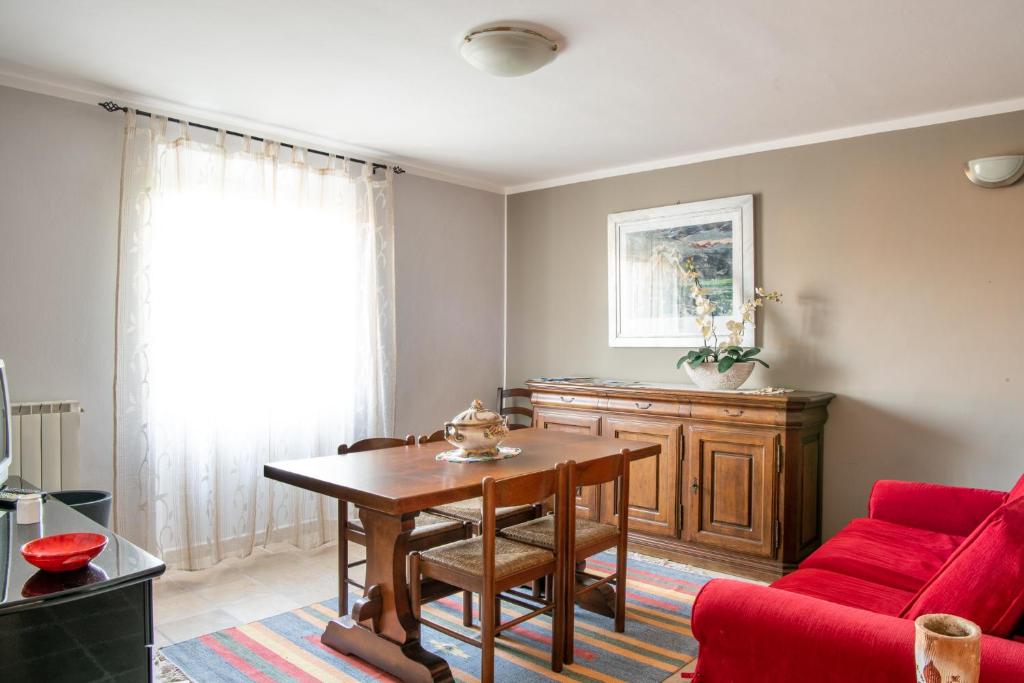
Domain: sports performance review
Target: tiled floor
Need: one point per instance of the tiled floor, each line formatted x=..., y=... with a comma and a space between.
x=272, y=580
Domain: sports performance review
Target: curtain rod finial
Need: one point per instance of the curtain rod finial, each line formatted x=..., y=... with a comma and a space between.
x=112, y=106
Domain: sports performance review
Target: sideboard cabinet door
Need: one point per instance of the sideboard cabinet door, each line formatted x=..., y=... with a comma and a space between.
x=729, y=484
x=653, y=482
x=588, y=498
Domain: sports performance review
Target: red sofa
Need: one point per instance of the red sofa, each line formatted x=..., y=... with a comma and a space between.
x=846, y=613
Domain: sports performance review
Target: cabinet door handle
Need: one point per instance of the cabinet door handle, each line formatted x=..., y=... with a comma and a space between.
x=645, y=406
x=733, y=413
x=568, y=399
x=694, y=487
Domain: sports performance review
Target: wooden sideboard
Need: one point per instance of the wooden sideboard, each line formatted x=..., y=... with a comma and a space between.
x=737, y=487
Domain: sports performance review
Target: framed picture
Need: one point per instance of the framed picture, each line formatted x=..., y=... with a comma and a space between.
x=649, y=303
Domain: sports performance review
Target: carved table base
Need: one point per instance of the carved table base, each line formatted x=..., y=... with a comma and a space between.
x=600, y=600
x=409, y=662
x=381, y=628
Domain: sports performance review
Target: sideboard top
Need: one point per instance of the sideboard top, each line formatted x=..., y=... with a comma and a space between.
x=600, y=386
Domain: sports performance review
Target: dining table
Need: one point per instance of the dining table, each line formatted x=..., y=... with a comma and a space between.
x=389, y=487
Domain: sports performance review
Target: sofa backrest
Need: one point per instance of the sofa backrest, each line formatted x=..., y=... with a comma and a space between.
x=1017, y=491
x=983, y=580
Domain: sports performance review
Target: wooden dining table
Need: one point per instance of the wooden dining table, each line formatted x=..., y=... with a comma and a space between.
x=389, y=487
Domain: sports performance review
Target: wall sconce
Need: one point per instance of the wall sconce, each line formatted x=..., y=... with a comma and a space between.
x=995, y=171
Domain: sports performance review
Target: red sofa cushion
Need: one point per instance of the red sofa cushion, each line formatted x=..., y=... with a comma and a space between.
x=885, y=553
x=984, y=579
x=845, y=590
x=951, y=510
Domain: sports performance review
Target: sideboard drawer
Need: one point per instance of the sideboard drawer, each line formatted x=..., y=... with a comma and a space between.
x=748, y=414
x=575, y=401
x=628, y=405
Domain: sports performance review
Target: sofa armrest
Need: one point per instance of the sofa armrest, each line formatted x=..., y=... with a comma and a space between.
x=947, y=509
x=749, y=632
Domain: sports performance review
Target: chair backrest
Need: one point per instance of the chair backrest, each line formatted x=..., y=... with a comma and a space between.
x=597, y=472
x=376, y=442
x=515, y=409
x=432, y=437
x=522, y=490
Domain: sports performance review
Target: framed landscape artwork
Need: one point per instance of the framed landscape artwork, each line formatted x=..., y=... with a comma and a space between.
x=649, y=303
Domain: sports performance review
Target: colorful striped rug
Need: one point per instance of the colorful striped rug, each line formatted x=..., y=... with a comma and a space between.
x=287, y=647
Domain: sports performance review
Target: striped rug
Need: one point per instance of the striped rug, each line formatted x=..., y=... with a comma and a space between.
x=287, y=647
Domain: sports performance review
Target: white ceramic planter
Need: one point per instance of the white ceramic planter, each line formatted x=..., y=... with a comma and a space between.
x=707, y=376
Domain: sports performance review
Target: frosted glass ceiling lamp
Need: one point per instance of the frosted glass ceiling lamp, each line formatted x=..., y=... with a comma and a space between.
x=995, y=171
x=508, y=50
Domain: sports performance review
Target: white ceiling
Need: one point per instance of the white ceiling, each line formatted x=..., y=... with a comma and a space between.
x=637, y=84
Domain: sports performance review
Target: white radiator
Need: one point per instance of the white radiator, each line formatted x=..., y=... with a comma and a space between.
x=46, y=443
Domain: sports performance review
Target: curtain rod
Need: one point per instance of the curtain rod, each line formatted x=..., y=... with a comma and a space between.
x=113, y=106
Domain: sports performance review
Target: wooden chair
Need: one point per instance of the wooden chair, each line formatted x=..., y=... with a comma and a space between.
x=433, y=437
x=492, y=566
x=515, y=409
x=587, y=537
x=470, y=512
x=430, y=530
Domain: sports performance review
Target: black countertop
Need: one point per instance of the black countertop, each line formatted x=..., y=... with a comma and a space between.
x=22, y=586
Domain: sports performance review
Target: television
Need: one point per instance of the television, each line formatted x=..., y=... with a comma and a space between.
x=5, y=425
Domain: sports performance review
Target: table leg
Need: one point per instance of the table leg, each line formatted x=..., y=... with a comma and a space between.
x=381, y=627
x=600, y=600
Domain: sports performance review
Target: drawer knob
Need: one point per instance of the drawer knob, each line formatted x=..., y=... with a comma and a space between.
x=568, y=399
x=733, y=413
x=694, y=487
x=644, y=406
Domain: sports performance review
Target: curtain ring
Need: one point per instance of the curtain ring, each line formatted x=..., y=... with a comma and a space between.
x=298, y=155
x=270, y=148
x=221, y=138
x=185, y=132
x=247, y=143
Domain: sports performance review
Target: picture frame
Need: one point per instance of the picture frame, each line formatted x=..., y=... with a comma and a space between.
x=648, y=302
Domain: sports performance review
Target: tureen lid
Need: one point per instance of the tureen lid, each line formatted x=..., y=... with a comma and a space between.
x=476, y=414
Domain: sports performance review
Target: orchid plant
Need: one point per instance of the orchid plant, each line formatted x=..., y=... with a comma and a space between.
x=729, y=351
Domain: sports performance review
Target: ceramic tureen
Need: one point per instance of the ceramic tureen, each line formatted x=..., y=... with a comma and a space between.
x=476, y=434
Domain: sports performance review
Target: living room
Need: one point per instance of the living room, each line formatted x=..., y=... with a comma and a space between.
x=748, y=271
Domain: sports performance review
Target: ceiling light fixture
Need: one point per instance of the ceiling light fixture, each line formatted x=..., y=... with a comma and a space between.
x=995, y=171
x=508, y=50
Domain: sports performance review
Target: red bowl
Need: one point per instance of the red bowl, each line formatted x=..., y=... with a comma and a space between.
x=63, y=552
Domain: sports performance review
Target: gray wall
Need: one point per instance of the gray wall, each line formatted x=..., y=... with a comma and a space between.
x=902, y=284
x=60, y=168
x=449, y=281
x=59, y=185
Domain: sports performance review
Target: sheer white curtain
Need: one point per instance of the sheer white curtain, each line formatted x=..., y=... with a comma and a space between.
x=255, y=323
